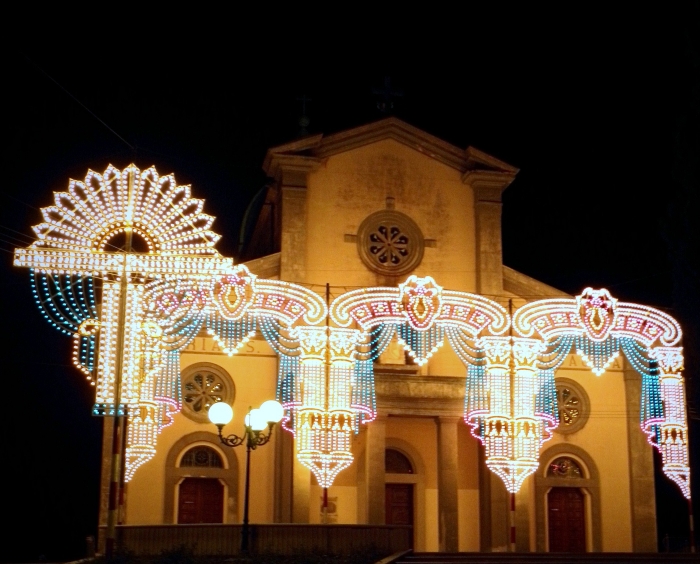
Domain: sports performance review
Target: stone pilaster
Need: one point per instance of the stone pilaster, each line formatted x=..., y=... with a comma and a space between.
x=500, y=513
x=484, y=502
x=375, y=475
x=641, y=469
x=293, y=244
x=488, y=188
x=448, y=514
x=291, y=176
x=284, y=475
x=302, y=491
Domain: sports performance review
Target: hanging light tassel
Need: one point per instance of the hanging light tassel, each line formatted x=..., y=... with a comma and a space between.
x=673, y=440
x=512, y=432
x=325, y=422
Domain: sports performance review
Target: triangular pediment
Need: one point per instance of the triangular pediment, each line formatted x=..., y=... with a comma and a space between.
x=314, y=148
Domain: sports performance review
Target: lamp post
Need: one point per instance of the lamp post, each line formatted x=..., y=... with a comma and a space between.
x=267, y=415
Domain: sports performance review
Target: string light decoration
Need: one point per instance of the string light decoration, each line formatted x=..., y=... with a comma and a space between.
x=600, y=327
x=422, y=314
x=509, y=426
x=673, y=435
x=324, y=421
x=68, y=303
x=153, y=303
x=420, y=310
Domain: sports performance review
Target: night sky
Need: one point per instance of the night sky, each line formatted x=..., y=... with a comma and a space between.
x=600, y=111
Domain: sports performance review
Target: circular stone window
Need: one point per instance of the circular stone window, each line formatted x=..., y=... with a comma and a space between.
x=574, y=406
x=390, y=243
x=203, y=385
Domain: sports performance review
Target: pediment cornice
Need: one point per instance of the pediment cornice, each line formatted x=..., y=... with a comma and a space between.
x=315, y=148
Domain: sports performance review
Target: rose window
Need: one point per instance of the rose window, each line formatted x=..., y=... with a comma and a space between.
x=573, y=405
x=202, y=388
x=390, y=243
x=569, y=406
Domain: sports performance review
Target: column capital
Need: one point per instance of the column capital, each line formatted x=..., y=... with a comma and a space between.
x=488, y=185
x=290, y=170
x=447, y=419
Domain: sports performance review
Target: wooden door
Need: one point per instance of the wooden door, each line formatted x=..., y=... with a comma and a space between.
x=201, y=501
x=567, y=520
x=399, y=504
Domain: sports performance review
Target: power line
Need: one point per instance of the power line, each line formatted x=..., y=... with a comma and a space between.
x=47, y=75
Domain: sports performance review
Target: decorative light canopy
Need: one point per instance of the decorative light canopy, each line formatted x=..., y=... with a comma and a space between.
x=154, y=302
x=600, y=328
x=420, y=311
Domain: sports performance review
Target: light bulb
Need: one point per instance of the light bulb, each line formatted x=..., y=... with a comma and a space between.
x=220, y=413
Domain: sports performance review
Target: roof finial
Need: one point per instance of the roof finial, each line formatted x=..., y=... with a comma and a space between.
x=304, y=120
x=386, y=103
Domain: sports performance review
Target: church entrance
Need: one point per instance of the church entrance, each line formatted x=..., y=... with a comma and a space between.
x=399, y=504
x=201, y=501
x=567, y=520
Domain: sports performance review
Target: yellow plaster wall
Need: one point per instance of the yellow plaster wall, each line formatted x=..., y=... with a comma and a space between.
x=352, y=185
x=344, y=498
x=468, y=515
x=604, y=438
x=468, y=488
x=445, y=362
x=421, y=435
x=432, y=539
x=254, y=373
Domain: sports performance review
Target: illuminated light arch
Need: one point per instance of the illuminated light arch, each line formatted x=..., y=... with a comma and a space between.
x=170, y=292
x=560, y=316
x=369, y=307
x=599, y=327
x=421, y=310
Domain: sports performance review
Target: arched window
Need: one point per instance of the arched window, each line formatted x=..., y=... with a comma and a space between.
x=395, y=462
x=202, y=457
x=564, y=467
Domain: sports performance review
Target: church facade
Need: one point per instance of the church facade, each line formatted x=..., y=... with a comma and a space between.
x=424, y=382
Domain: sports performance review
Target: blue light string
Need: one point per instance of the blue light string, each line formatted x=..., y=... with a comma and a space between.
x=548, y=362
x=598, y=352
x=65, y=302
x=232, y=333
x=651, y=406
x=421, y=342
x=363, y=396
x=462, y=344
x=167, y=384
x=52, y=303
x=476, y=397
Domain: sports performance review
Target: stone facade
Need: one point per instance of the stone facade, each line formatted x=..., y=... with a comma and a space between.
x=324, y=188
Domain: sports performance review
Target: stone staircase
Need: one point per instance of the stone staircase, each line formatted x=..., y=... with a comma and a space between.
x=541, y=558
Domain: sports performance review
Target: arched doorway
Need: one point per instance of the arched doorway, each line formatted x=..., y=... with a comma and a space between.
x=398, y=497
x=567, y=520
x=567, y=490
x=200, y=473
x=201, y=500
